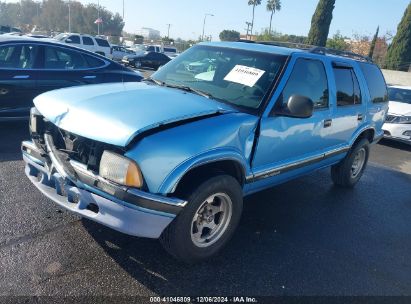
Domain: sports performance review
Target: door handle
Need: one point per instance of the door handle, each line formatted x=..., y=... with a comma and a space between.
x=360, y=117
x=328, y=123
x=89, y=77
x=21, y=77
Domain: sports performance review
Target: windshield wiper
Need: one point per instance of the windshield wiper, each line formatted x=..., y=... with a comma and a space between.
x=181, y=87
x=189, y=89
x=158, y=82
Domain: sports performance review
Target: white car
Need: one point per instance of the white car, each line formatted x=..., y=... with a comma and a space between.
x=96, y=45
x=118, y=52
x=398, y=123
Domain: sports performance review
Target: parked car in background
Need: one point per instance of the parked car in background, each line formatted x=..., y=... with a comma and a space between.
x=398, y=124
x=29, y=67
x=119, y=52
x=173, y=156
x=153, y=48
x=5, y=29
x=96, y=45
x=151, y=60
x=170, y=51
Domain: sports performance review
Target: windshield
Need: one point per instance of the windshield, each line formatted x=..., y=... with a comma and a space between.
x=238, y=77
x=60, y=36
x=399, y=95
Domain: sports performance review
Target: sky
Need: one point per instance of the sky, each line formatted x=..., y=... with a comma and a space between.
x=186, y=17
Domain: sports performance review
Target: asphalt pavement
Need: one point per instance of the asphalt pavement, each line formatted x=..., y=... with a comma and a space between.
x=305, y=237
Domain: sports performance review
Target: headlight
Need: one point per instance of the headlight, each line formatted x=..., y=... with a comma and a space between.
x=120, y=170
x=403, y=120
x=35, y=122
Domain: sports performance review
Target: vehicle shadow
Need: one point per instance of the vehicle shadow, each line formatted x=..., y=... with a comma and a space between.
x=11, y=136
x=305, y=237
x=395, y=144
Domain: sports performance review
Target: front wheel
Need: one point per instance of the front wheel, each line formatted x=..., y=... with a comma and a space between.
x=350, y=170
x=208, y=221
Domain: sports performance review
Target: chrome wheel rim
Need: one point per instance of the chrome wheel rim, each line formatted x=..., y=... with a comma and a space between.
x=358, y=163
x=211, y=220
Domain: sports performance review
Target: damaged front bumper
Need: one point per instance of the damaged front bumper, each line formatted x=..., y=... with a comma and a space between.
x=129, y=211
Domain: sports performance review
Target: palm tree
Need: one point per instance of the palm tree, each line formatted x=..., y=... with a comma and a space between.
x=273, y=6
x=254, y=3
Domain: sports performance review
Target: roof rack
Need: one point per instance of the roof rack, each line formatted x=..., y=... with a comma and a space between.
x=313, y=49
x=294, y=45
x=347, y=54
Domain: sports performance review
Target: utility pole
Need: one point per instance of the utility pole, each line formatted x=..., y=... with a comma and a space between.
x=69, y=15
x=123, y=10
x=168, y=31
x=205, y=17
x=98, y=18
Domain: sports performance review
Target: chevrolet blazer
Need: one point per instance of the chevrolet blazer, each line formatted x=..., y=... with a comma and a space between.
x=173, y=156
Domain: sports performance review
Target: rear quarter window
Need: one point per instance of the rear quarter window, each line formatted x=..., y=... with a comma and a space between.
x=102, y=42
x=94, y=62
x=375, y=82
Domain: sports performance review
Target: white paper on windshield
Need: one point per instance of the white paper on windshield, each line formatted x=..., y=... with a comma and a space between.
x=244, y=75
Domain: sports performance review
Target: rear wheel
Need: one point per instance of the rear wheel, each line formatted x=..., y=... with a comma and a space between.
x=208, y=221
x=350, y=170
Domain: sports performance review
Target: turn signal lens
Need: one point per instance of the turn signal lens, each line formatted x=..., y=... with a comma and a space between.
x=120, y=170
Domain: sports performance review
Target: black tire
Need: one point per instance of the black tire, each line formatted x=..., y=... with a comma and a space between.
x=177, y=238
x=342, y=173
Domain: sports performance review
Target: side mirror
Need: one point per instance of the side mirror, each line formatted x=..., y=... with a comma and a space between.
x=68, y=40
x=297, y=106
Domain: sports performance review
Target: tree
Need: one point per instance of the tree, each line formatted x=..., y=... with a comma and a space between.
x=138, y=39
x=229, y=35
x=320, y=23
x=53, y=16
x=254, y=3
x=9, y=13
x=273, y=6
x=373, y=42
x=399, y=52
x=167, y=40
x=337, y=42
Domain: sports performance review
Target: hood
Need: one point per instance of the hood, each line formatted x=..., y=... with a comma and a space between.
x=116, y=113
x=399, y=108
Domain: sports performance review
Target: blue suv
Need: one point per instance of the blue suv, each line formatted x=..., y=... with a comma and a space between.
x=173, y=156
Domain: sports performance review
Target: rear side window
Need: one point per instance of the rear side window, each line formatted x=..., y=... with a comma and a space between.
x=308, y=79
x=375, y=82
x=102, y=42
x=348, y=88
x=74, y=39
x=18, y=56
x=94, y=62
x=88, y=41
x=63, y=59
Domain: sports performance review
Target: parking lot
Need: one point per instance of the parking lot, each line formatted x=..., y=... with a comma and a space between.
x=305, y=237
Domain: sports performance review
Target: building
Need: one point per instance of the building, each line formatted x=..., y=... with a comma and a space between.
x=149, y=33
